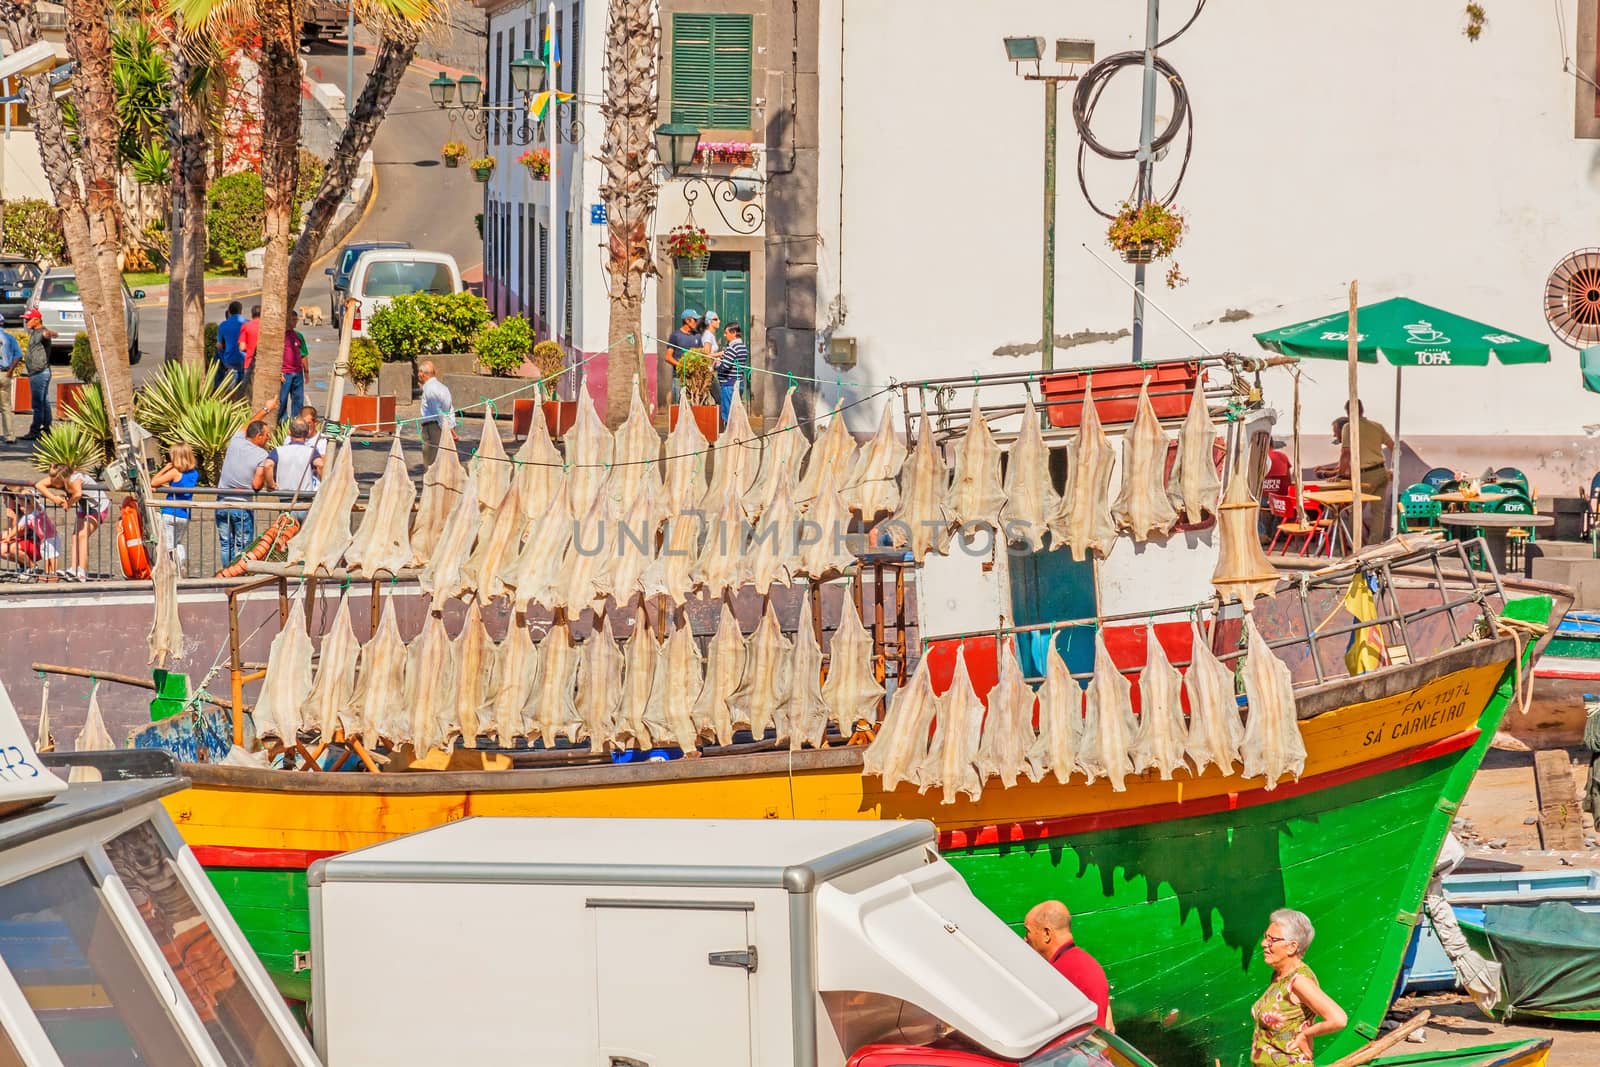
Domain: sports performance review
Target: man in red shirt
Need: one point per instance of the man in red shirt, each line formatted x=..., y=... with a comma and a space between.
x=1048, y=929
x=249, y=333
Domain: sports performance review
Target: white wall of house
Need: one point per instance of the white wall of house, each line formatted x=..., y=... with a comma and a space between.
x=1361, y=140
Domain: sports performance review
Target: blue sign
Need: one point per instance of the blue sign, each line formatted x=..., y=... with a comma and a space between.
x=597, y=214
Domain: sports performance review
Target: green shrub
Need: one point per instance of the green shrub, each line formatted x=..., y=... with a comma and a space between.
x=92, y=420
x=424, y=323
x=235, y=218
x=83, y=367
x=504, y=348
x=66, y=443
x=461, y=317
x=365, y=363
x=312, y=169
x=210, y=343
x=161, y=403
x=33, y=229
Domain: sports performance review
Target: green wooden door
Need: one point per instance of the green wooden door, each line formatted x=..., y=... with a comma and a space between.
x=725, y=289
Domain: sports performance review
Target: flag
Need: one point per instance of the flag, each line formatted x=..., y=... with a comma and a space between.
x=540, y=101
x=552, y=48
x=1365, y=651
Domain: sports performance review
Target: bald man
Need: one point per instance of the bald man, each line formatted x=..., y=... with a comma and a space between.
x=1048, y=929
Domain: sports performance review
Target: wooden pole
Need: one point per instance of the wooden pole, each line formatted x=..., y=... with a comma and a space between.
x=1299, y=480
x=1354, y=427
x=1376, y=1048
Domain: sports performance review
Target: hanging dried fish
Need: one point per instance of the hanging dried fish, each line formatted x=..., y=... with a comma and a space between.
x=166, y=632
x=767, y=661
x=1108, y=725
x=773, y=553
x=631, y=547
x=684, y=468
x=43, y=739
x=828, y=466
x=384, y=541
x=474, y=652
x=600, y=667
x=640, y=652
x=671, y=574
x=538, y=473
x=535, y=574
x=590, y=447
x=378, y=705
x=1031, y=499
x=321, y=542
x=976, y=495
x=736, y=457
x=1008, y=735
x=679, y=675
x=288, y=680
x=442, y=578
x=1194, y=485
x=1142, y=508
x=496, y=549
x=951, y=764
x=921, y=520
x=1215, y=731
x=1162, y=735
x=1060, y=722
x=491, y=464
x=805, y=710
x=871, y=489
x=901, y=744
x=1083, y=523
x=723, y=560
x=724, y=668
x=555, y=714
x=1272, y=744
x=431, y=679
x=516, y=679
x=823, y=538
x=851, y=692
x=94, y=737
x=637, y=468
x=585, y=558
x=783, y=453
x=441, y=490
x=1243, y=571
x=328, y=705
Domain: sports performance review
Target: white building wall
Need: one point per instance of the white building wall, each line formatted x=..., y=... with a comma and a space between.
x=1361, y=140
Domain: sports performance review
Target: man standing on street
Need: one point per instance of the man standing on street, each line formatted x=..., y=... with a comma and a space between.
x=248, y=333
x=242, y=472
x=438, y=415
x=1048, y=929
x=1376, y=448
x=230, y=357
x=294, y=466
x=38, y=364
x=733, y=365
x=10, y=363
x=292, y=393
x=685, y=338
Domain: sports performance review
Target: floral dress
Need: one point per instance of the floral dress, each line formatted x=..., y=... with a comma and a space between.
x=1270, y=1048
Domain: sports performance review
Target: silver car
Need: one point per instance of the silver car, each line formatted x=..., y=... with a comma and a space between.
x=59, y=303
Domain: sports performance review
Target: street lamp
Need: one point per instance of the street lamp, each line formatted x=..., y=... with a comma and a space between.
x=527, y=78
x=471, y=89
x=676, y=144
x=1069, y=51
x=443, y=90
x=527, y=73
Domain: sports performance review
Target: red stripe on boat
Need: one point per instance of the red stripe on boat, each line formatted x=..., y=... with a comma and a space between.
x=1012, y=833
x=297, y=859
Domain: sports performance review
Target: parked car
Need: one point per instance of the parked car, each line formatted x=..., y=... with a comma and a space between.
x=340, y=274
x=385, y=273
x=322, y=20
x=18, y=275
x=59, y=303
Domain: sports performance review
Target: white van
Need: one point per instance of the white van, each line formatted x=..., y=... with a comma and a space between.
x=382, y=274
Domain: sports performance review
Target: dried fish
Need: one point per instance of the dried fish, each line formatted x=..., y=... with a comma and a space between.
x=384, y=541
x=636, y=471
x=166, y=632
x=555, y=714
x=1031, y=498
x=474, y=652
x=539, y=474
x=441, y=489
x=1243, y=571
x=442, y=578
x=736, y=458
x=288, y=680
x=1083, y=523
x=828, y=466
x=823, y=538
x=951, y=764
x=585, y=557
x=327, y=706
x=431, y=679
x=1272, y=744
x=1060, y=722
x=769, y=656
x=631, y=547
x=671, y=574
x=1142, y=508
x=871, y=489
x=783, y=453
x=590, y=447
x=773, y=554
x=921, y=521
x=723, y=562
x=516, y=679
x=496, y=548
x=1215, y=731
x=640, y=652
x=669, y=713
x=851, y=692
x=378, y=705
x=1108, y=726
x=1194, y=485
x=725, y=657
x=43, y=739
x=94, y=737
x=1008, y=735
x=491, y=464
x=600, y=667
x=976, y=495
x=321, y=542
x=805, y=710
x=535, y=574
x=901, y=745
x=1162, y=734
x=684, y=468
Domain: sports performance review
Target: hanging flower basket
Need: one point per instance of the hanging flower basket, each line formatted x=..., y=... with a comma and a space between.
x=1144, y=233
x=537, y=160
x=454, y=152
x=690, y=249
x=452, y=161
x=691, y=266
x=730, y=153
x=1143, y=252
x=483, y=168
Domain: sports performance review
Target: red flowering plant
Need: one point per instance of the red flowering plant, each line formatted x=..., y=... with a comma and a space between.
x=537, y=160
x=687, y=242
x=733, y=153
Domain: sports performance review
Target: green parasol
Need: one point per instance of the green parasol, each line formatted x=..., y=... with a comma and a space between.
x=1408, y=334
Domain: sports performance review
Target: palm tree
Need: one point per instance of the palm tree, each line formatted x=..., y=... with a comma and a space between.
x=188, y=123
x=629, y=188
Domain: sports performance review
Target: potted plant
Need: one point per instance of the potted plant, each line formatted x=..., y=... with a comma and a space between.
x=482, y=168
x=370, y=413
x=502, y=350
x=549, y=360
x=690, y=250
x=729, y=153
x=83, y=369
x=454, y=152
x=537, y=160
x=1143, y=233
x=697, y=378
x=21, y=393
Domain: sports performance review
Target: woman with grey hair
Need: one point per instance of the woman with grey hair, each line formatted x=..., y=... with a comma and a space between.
x=1294, y=1010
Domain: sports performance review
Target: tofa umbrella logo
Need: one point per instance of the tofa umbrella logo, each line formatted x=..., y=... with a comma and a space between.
x=1423, y=333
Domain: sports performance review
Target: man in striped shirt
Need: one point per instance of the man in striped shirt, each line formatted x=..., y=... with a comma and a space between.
x=733, y=365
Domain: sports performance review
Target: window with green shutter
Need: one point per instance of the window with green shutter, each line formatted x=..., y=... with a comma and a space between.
x=711, y=70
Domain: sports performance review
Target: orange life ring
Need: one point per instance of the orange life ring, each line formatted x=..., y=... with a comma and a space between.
x=277, y=534
x=130, y=541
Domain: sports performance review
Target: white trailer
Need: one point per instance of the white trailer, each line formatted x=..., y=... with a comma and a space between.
x=672, y=943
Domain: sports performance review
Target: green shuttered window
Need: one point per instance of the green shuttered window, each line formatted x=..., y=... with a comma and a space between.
x=711, y=70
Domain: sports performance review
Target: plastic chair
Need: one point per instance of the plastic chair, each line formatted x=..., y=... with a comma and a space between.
x=1517, y=536
x=1283, y=509
x=1418, y=506
x=1440, y=475
x=1510, y=474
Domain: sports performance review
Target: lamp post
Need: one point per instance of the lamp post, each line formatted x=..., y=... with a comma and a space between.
x=1146, y=186
x=1021, y=50
x=677, y=143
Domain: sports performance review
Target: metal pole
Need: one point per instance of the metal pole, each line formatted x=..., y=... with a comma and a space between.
x=1047, y=349
x=349, y=58
x=1147, y=133
x=1353, y=427
x=552, y=114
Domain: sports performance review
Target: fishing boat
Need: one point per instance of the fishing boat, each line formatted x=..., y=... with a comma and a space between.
x=1567, y=672
x=1171, y=874
x=1534, y=1052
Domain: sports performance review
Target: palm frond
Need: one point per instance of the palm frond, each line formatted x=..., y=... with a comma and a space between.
x=162, y=402
x=67, y=443
x=88, y=414
x=207, y=427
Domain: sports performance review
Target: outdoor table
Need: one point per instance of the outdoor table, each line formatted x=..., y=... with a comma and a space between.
x=1494, y=526
x=1339, y=501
